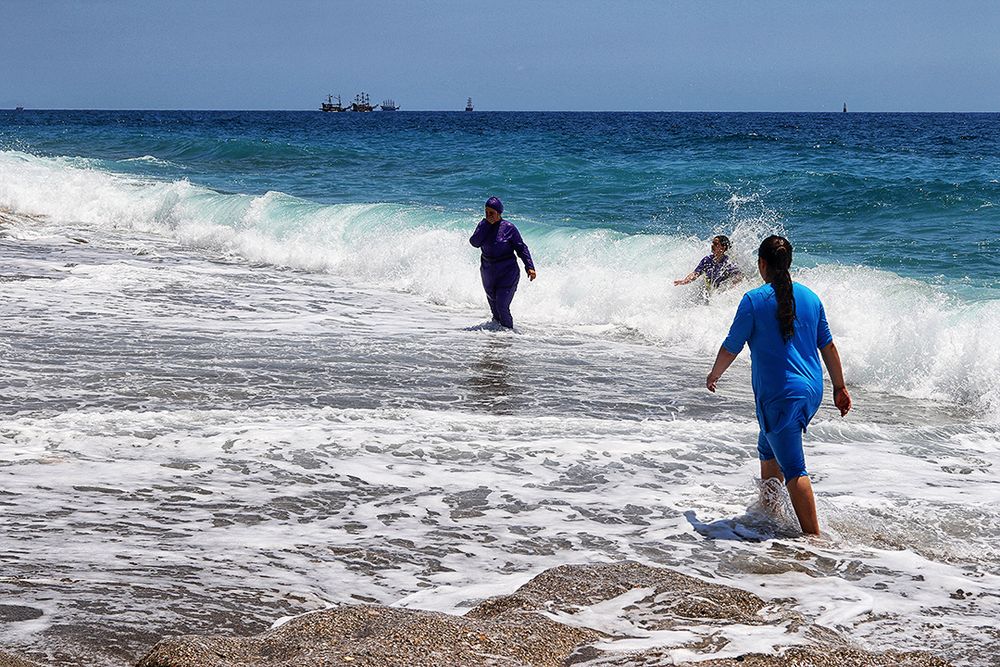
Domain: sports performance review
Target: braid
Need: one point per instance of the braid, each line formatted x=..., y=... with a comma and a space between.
x=776, y=252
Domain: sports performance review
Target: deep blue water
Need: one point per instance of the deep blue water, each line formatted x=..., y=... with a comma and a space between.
x=916, y=194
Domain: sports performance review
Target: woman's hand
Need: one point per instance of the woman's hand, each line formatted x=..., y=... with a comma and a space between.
x=686, y=279
x=531, y=274
x=842, y=399
x=723, y=360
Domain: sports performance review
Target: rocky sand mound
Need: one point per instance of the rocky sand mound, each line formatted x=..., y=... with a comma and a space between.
x=544, y=623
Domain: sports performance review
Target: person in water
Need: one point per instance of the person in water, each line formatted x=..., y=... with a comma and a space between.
x=785, y=325
x=499, y=241
x=717, y=268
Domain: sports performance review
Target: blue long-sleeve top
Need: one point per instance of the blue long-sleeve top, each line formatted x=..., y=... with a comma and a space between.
x=500, y=242
x=787, y=377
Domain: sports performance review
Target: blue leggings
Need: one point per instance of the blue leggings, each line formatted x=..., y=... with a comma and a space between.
x=786, y=446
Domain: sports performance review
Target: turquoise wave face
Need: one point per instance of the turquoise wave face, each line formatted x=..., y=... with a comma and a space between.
x=916, y=194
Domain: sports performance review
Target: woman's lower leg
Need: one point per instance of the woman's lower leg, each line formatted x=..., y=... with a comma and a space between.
x=801, y=492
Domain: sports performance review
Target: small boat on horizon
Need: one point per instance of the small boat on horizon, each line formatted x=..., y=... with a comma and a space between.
x=18, y=108
x=468, y=105
x=845, y=107
x=389, y=105
x=330, y=106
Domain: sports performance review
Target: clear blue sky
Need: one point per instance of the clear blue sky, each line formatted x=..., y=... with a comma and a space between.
x=764, y=55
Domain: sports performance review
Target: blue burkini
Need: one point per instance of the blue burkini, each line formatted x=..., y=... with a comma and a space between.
x=787, y=377
x=498, y=266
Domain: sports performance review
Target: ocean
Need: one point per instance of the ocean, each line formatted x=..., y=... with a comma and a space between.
x=247, y=372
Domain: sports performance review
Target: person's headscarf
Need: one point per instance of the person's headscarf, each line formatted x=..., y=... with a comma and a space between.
x=495, y=204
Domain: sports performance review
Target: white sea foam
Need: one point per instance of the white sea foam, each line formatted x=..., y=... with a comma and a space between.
x=153, y=160
x=896, y=335
x=439, y=510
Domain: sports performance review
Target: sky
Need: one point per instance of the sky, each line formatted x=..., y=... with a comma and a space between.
x=559, y=55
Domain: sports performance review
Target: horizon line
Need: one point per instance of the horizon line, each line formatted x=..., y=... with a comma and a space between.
x=463, y=111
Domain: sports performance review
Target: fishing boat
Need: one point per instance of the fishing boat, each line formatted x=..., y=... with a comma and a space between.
x=389, y=105
x=361, y=103
x=468, y=105
x=18, y=108
x=330, y=106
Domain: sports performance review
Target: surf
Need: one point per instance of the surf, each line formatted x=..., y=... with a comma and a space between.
x=898, y=335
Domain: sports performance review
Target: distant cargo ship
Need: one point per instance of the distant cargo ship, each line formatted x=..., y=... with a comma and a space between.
x=468, y=105
x=389, y=105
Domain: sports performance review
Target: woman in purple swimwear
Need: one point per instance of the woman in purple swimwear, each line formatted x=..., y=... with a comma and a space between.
x=717, y=267
x=500, y=241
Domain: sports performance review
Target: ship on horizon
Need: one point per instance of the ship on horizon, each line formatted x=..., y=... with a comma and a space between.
x=330, y=106
x=468, y=105
x=362, y=103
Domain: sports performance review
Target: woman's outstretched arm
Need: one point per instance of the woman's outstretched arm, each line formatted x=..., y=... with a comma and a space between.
x=841, y=397
x=686, y=279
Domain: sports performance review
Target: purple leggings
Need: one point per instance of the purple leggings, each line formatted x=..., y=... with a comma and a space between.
x=500, y=282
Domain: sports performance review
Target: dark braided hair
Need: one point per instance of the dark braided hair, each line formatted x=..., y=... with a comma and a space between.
x=776, y=252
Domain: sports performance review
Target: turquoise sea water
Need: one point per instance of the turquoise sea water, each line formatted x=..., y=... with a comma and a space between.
x=245, y=374
x=916, y=194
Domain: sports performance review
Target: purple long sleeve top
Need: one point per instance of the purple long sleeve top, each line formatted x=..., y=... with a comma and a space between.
x=501, y=242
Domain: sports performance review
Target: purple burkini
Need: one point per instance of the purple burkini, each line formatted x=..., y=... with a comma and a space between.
x=498, y=265
x=717, y=272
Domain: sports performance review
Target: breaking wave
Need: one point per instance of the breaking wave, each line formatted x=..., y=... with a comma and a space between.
x=897, y=335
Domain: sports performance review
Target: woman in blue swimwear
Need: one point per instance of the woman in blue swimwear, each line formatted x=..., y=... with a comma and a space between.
x=785, y=326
